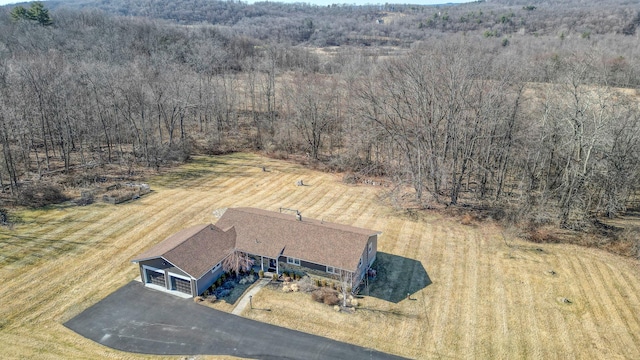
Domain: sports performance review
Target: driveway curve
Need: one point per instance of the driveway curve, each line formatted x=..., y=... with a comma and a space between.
x=141, y=320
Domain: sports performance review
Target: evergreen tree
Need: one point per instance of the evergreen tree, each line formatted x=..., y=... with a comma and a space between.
x=19, y=13
x=37, y=12
x=40, y=14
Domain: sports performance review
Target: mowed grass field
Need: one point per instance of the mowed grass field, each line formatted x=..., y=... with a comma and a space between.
x=473, y=295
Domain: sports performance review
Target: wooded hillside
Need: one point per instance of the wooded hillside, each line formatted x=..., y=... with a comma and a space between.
x=342, y=24
x=529, y=110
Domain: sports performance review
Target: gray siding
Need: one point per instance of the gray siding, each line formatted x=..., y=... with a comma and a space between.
x=206, y=280
x=374, y=251
x=168, y=267
x=303, y=264
x=313, y=266
x=368, y=257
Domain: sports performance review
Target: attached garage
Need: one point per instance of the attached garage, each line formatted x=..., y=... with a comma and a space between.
x=188, y=262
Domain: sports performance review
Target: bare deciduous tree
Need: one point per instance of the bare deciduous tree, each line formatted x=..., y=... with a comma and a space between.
x=237, y=262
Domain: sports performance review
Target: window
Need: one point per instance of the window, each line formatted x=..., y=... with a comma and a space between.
x=370, y=246
x=215, y=268
x=360, y=263
x=331, y=270
x=293, y=261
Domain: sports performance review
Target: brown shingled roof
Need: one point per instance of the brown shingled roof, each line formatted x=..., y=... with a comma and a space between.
x=272, y=234
x=194, y=250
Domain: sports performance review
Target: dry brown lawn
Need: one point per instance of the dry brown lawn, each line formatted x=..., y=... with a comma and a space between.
x=487, y=299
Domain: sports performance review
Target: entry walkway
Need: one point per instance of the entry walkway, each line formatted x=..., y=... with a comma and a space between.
x=246, y=299
x=142, y=320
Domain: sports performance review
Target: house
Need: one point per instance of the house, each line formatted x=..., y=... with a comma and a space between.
x=188, y=262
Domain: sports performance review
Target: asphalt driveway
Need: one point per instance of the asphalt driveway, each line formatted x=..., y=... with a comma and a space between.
x=141, y=320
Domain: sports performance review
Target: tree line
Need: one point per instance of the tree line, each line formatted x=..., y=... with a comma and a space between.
x=539, y=130
x=382, y=24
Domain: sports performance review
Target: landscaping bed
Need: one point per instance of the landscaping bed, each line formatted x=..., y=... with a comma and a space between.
x=228, y=289
x=322, y=290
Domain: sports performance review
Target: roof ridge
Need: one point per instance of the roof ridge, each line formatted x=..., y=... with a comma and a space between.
x=190, y=237
x=213, y=228
x=309, y=221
